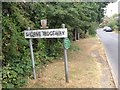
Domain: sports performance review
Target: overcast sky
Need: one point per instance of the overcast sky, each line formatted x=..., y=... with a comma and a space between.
x=112, y=8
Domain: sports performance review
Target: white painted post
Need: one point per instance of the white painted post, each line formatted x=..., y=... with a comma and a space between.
x=65, y=60
x=32, y=56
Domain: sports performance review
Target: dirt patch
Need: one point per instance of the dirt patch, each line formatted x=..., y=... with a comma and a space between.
x=87, y=68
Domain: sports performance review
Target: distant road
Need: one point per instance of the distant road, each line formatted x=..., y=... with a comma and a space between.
x=110, y=42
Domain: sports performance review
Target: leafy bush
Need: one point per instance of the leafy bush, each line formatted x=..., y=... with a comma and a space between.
x=113, y=24
x=92, y=30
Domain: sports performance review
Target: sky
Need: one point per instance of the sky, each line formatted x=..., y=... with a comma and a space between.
x=112, y=8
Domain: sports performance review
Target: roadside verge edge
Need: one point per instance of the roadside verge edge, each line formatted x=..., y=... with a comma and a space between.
x=110, y=66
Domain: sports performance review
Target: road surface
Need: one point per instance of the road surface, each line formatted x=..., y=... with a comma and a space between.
x=110, y=43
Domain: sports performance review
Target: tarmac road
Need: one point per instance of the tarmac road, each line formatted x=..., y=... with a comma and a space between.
x=110, y=43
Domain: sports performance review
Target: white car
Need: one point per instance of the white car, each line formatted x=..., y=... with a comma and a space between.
x=107, y=29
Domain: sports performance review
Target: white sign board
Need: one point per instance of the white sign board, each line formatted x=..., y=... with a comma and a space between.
x=47, y=33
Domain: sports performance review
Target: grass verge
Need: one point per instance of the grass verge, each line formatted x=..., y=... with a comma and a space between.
x=86, y=68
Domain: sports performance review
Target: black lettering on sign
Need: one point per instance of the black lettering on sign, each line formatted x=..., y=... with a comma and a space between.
x=53, y=32
x=63, y=32
x=38, y=34
x=60, y=33
x=31, y=34
x=49, y=33
x=56, y=33
x=27, y=33
x=44, y=33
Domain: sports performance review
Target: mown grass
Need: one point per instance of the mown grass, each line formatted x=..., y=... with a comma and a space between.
x=84, y=70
